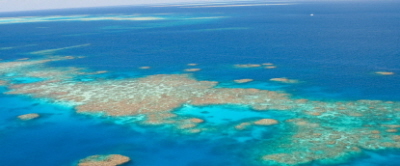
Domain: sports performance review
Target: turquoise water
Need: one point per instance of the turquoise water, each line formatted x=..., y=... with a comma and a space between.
x=61, y=137
x=224, y=114
x=333, y=54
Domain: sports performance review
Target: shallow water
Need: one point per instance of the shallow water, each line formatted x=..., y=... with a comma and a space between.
x=333, y=54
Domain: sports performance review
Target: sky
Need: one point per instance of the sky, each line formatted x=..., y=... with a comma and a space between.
x=26, y=5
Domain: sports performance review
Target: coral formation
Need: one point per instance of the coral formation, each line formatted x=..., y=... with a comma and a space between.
x=104, y=160
x=315, y=141
x=243, y=80
x=270, y=67
x=266, y=122
x=144, y=67
x=192, y=69
x=196, y=120
x=268, y=64
x=384, y=73
x=100, y=72
x=28, y=116
x=323, y=130
x=247, y=65
x=242, y=126
x=284, y=80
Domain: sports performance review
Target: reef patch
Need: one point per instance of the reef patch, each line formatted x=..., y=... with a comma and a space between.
x=104, y=160
x=384, y=73
x=28, y=116
x=323, y=131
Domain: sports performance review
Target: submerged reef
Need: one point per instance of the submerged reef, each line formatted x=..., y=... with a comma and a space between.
x=384, y=73
x=265, y=65
x=284, y=80
x=243, y=80
x=144, y=67
x=192, y=69
x=154, y=96
x=104, y=160
x=266, y=122
x=270, y=67
x=247, y=65
x=268, y=64
x=323, y=131
x=28, y=116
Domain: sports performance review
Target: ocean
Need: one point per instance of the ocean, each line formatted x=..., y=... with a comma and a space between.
x=330, y=50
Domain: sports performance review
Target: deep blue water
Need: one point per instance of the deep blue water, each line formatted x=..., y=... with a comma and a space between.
x=344, y=42
x=333, y=53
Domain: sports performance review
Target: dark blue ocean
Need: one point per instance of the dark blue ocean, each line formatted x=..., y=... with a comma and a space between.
x=332, y=48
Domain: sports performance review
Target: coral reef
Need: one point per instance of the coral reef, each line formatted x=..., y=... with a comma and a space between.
x=247, y=65
x=284, y=80
x=192, y=69
x=266, y=122
x=270, y=67
x=144, y=67
x=242, y=126
x=243, y=80
x=323, y=130
x=268, y=64
x=104, y=160
x=384, y=73
x=28, y=116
